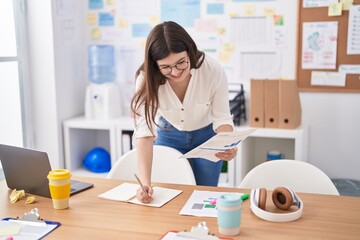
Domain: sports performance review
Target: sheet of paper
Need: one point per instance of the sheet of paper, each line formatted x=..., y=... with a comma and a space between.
x=319, y=45
x=200, y=203
x=328, y=78
x=349, y=68
x=126, y=193
x=317, y=3
x=353, y=40
x=251, y=30
x=258, y=64
x=21, y=230
x=219, y=143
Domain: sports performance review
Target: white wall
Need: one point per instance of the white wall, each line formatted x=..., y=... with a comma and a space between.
x=42, y=75
x=59, y=84
x=334, y=132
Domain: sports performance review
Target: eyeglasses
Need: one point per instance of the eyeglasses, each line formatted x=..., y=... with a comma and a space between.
x=166, y=70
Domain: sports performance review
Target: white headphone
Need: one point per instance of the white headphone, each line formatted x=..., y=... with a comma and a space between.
x=282, y=197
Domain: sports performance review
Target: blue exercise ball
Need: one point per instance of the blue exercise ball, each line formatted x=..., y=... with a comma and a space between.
x=97, y=160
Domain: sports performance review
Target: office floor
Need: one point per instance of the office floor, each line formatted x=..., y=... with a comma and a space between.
x=346, y=187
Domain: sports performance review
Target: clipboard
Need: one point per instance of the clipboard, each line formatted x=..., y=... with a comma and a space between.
x=198, y=232
x=30, y=223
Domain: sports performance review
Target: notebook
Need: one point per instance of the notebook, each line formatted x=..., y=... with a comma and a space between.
x=126, y=193
x=27, y=169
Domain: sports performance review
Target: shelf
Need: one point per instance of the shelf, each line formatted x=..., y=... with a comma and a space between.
x=82, y=134
x=293, y=143
x=82, y=172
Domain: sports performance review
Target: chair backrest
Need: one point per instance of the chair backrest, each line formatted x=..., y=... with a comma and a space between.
x=298, y=175
x=167, y=167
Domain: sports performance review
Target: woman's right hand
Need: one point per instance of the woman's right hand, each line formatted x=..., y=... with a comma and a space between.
x=143, y=196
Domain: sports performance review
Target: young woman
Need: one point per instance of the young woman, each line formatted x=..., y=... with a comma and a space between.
x=181, y=101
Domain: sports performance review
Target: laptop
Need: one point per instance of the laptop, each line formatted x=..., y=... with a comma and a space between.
x=28, y=169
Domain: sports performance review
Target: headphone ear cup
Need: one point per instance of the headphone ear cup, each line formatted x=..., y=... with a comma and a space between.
x=262, y=198
x=282, y=198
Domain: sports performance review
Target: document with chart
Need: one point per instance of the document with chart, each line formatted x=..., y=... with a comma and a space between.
x=219, y=143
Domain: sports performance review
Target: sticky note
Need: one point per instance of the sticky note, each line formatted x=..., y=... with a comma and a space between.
x=110, y=2
x=91, y=18
x=106, y=19
x=9, y=230
x=278, y=20
x=346, y=4
x=95, y=33
x=249, y=10
x=335, y=9
x=122, y=23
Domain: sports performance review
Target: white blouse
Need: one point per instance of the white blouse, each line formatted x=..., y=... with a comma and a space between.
x=206, y=101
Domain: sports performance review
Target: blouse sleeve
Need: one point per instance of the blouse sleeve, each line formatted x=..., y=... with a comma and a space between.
x=220, y=105
x=141, y=128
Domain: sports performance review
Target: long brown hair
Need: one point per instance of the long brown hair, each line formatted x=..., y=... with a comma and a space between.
x=165, y=38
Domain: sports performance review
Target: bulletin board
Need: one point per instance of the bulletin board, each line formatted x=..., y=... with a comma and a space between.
x=320, y=14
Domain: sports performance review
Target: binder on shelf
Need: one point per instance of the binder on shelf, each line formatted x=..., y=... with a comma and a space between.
x=271, y=99
x=290, y=107
x=257, y=108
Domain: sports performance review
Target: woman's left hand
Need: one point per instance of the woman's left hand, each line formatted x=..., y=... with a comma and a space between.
x=227, y=155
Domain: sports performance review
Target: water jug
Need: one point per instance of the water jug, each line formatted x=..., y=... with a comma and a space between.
x=101, y=63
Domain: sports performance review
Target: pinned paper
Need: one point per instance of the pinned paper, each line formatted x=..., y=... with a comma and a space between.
x=278, y=20
x=110, y=2
x=335, y=9
x=123, y=23
x=269, y=11
x=16, y=195
x=154, y=20
x=95, y=33
x=91, y=19
x=233, y=14
x=221, y=31
x=346, y=4
x=106, y=19
x=249, y=10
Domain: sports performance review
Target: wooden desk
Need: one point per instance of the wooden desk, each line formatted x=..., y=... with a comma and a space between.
x=324, y=217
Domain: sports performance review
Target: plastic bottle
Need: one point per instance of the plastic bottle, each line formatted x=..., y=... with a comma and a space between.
x=101, y=63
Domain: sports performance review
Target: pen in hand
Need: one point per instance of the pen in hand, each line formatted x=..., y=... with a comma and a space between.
x=141, y=185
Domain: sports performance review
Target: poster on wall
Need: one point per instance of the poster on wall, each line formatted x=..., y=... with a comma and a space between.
x=319, y=45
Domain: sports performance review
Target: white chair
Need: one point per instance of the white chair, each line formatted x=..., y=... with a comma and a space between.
x=167, y=167
x=298, y=175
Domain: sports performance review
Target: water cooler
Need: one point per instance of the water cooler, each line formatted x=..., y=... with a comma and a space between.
x=103, y=99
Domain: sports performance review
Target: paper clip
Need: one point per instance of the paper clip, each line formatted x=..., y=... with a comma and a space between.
x=200, y=231
x=30, y=218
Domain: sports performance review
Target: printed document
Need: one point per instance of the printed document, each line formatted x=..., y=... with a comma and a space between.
x=203, y=203
x=219, y=143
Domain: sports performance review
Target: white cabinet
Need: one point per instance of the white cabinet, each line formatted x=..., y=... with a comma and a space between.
x=81, y=135
x=293, y=143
